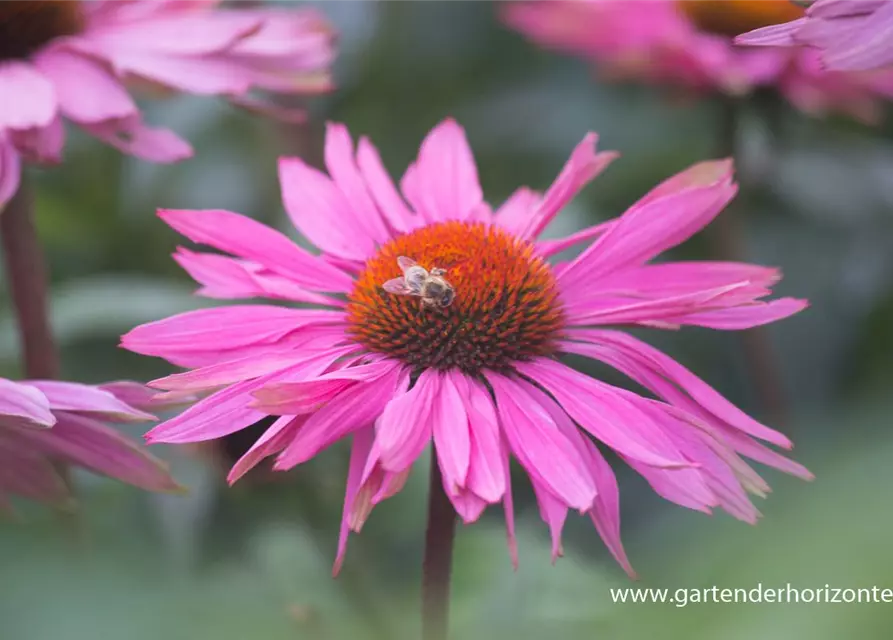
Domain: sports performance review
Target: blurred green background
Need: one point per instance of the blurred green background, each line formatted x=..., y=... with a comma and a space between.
x=254, y=561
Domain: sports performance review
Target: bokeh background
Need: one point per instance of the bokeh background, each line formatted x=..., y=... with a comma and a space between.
x=254, y=561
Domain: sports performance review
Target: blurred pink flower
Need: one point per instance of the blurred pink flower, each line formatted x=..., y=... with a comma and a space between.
x=479, y=377
x=690, y=43
x=43, y=422
x=70, y=59
x=852, y=35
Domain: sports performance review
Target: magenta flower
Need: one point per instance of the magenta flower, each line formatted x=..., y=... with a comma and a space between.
x=69, y=59
x=400, y=365
x=852, y=35
x=689, y=43
x=44, y=422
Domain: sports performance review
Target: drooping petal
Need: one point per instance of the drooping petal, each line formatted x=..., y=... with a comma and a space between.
x=852, y=35
x=405, y=426
x=70, y=73
x=605, y=512
x=195, y=75
x=670, y=485
x=752, y=449
x=719, y=475
x=28, y=474
x=273, y=440
x=648, y=366
x=215, y=416
x=548, y=456
x=133, y=137
x=24, y=405
x=553, y=511
x=10, y=172
x=775, y=35
x=356, y=407
x=28, y=97
x=508, y=506
x=42, y=144
x=89, y=443
x=450, y=426
x=82, y=398
x=228, y=410
x=468, y=506
x=359, y=453
x=246, y=238
x=869, y=49
x=606, y=413
x=308, y=395
x=486, y=473
x=203, y=34
x=140, y=396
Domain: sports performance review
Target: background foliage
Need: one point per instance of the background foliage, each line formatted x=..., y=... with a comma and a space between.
x=254, y=561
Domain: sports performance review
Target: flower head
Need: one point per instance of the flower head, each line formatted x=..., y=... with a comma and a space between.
x=480, y=376
x=852, y=35
x=690, y=43
x=68, y=59
x=44, y=422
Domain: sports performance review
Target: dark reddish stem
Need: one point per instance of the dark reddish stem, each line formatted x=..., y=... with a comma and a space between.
x=26, y=274
x=728, y=239
x=438, y=561
x=28, y=280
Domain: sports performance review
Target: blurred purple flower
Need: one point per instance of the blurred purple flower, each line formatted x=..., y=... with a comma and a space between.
x=45, y=422
x=690, y=43
x=851, y=35
x=479, y=377
x=71, y=60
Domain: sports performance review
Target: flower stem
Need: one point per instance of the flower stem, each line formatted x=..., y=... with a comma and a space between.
x=26, y=274
x=28, y=280
x=438, y=560
x=728, y=239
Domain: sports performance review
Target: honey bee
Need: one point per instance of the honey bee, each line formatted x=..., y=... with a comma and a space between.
x=430, y=286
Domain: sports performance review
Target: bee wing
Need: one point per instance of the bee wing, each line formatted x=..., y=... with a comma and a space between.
x=398, y=286
x=405, y=263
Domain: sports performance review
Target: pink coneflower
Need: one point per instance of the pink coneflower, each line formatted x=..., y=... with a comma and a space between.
x=47, y=422
x=69, y=59
x=470, y=365
x=852, y=35
x=689, y=43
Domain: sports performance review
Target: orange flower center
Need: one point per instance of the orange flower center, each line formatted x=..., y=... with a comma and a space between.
x=733, y=17
x=505, y=306
x=27, y=25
